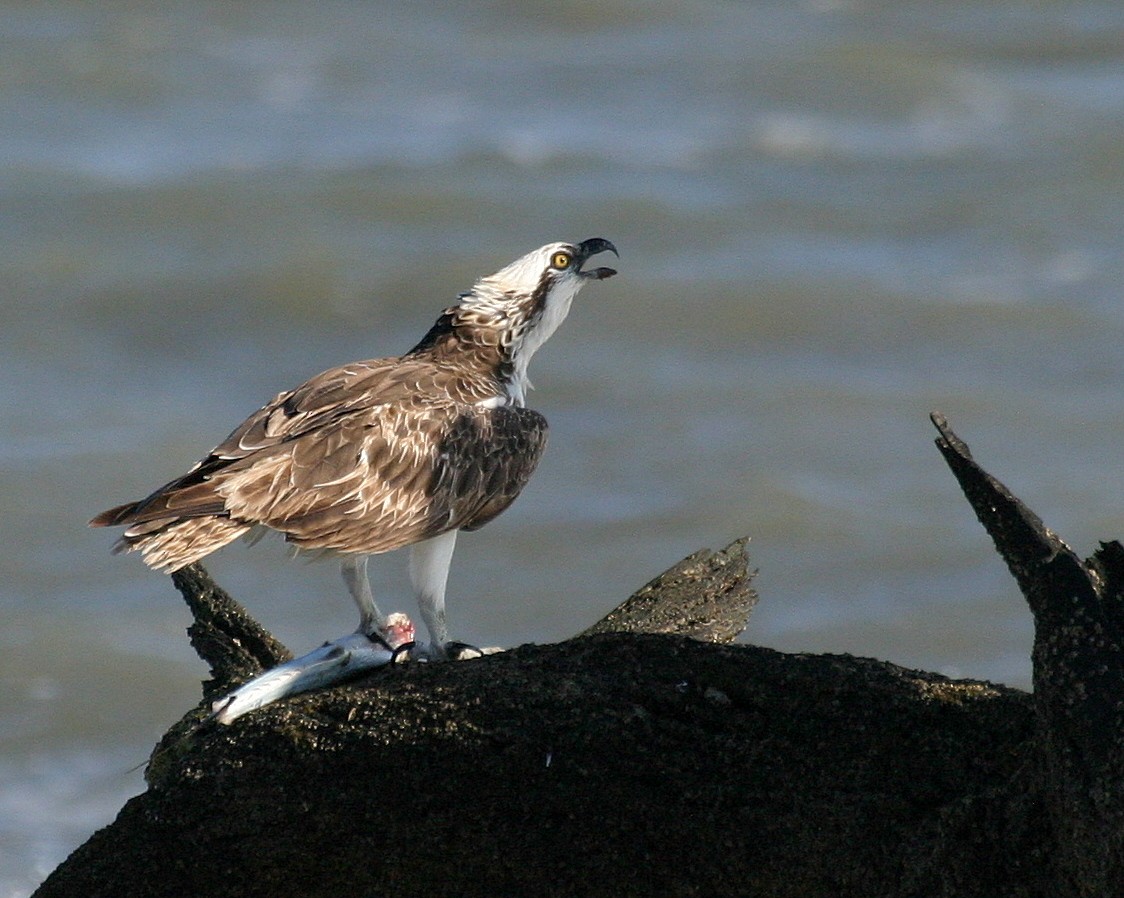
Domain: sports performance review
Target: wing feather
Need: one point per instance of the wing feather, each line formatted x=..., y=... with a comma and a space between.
x=364, y=458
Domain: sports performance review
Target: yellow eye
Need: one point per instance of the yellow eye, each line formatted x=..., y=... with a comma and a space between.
x=561, y=261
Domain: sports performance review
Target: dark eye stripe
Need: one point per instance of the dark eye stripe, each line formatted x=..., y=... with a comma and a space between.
x=538, y=296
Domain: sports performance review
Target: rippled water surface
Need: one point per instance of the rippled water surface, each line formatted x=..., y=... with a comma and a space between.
x=834, y=216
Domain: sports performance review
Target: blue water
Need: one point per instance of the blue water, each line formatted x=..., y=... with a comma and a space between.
x=834, y=216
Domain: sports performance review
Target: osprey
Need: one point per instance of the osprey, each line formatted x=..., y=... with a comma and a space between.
x=384, y=453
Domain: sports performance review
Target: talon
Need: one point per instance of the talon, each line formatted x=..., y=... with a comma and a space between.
x=403, y=653
x=462, y=651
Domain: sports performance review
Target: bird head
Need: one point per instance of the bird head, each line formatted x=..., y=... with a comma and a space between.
x=556, y=265
x=527, y=300
x=507, y=316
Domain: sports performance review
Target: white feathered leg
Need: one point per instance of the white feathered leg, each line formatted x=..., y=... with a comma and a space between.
x=429, y=572
x=354, y=570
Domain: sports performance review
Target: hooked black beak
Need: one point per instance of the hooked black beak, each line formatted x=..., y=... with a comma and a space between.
x=592, y=247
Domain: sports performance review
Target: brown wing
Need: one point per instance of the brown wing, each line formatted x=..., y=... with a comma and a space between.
x=312, y=407
x=378, y=481
x=363, y=458
x=338, y=392
x=290, y=414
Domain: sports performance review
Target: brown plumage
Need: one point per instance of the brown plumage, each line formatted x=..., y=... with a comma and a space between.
x=381, y=454
x=361, y=459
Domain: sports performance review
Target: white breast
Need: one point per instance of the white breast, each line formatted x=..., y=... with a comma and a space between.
x=494, y=401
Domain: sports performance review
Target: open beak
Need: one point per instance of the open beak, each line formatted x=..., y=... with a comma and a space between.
x=592, y=247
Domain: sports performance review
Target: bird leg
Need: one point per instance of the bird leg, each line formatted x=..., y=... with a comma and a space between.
x=429, y=572
x=354, y=570
x=376, y=642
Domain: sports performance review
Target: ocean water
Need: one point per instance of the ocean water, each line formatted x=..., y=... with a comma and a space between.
x=834, y=216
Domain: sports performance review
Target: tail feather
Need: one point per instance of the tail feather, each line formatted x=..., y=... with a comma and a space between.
x=195, y=500
x=180, y=542
x=178, y=524
x=115, y=516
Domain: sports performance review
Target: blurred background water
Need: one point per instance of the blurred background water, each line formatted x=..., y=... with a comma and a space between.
x=834, y=216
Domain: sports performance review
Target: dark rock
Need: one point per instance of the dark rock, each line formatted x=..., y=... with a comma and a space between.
x=224, y=635
x=648, y=763
x=1078, y=658
x=706, y=596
